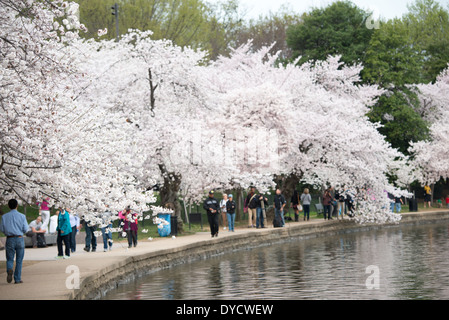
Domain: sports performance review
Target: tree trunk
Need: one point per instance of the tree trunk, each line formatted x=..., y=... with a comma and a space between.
x=239, y=203
x=169, y=194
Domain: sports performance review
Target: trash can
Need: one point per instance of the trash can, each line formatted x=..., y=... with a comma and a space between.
x=174, y=225
x=413, y=205
x=164, y=229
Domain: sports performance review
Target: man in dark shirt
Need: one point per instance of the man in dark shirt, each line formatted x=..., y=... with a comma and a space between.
x=212, y=207
x=279, y=204
x=261, y=204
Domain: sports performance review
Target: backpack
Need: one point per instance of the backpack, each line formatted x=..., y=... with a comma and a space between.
x=41, y=243
x=277, y=222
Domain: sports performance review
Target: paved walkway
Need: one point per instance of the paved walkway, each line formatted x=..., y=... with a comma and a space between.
x=44, y=277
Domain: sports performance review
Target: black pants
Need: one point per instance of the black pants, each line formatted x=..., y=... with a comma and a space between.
x=327, y=212
x=66, y=240
x=213, y=222
x=73, y=239
x=306, y=208
x=132, y=237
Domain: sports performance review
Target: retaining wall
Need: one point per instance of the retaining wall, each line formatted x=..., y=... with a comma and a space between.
x=132, y=267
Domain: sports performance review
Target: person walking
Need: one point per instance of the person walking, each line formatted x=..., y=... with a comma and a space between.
x=14, y=225
x=212, y=208
x=251, y=202
x=296, y=203
x=106, y=229
x=261, y=204
x=306, y=200
x=398, y=204
x=44, y=211
x=340, y=197
x=223, y=210
x=427, y=195
x=279, y=205
x=75, y=225
x=64, y=231
x=334, y=202
x=230, y=212
x=327, y=203
x=35, y=232
x=131, y=227
x=90, y=239
x=349, y=201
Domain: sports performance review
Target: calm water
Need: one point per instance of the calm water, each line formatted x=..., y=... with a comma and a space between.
x=413, y=263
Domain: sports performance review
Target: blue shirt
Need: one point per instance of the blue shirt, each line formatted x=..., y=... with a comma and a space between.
x=14, y=223
x=64, y=223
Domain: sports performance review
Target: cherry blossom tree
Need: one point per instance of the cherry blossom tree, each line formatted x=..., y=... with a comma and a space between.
x=430, y=158
x=317, y=116
x=52, y=143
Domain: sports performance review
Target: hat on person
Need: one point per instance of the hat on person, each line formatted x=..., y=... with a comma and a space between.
x=211, y=192
x=230, y=196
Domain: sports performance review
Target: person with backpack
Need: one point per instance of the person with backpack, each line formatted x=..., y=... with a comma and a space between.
x=279, y=205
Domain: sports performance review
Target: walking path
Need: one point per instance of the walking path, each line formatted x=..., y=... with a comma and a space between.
x=44, y=277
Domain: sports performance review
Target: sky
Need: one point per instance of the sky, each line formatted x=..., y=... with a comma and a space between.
x=386, y=9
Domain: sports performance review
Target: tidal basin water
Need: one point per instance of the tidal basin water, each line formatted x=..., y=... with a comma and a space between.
x=404, y=262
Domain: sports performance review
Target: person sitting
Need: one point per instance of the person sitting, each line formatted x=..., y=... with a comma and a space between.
x=35, y=231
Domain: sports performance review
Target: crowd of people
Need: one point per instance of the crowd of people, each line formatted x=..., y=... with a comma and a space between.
x=335, y=204
x=66, y=225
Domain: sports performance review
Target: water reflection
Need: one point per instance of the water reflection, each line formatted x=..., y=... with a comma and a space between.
x=413, y=264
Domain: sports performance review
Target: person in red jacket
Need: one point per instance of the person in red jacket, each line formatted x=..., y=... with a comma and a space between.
x=130, y=226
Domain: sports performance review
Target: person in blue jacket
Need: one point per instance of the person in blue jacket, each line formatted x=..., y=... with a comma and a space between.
x=64, y=230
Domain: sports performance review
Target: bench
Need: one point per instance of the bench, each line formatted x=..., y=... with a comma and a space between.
x=319, y=208
x=50, y=239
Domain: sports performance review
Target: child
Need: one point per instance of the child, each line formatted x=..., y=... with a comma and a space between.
x=440, y=203
x=447, y=201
